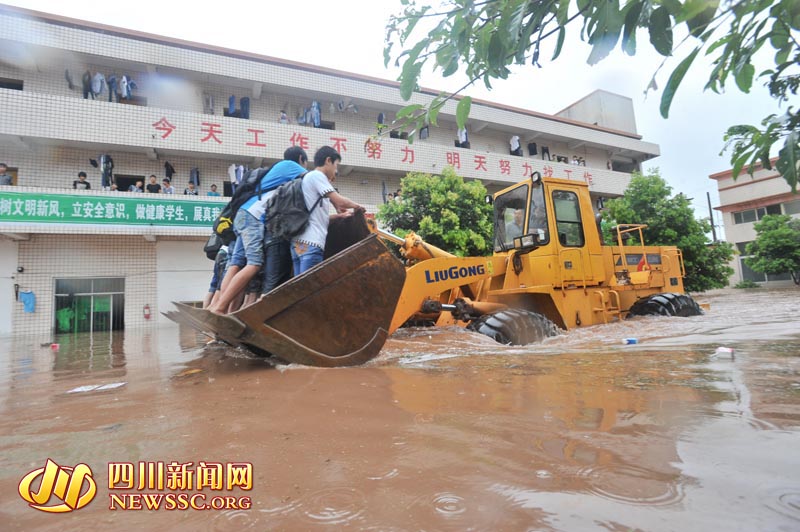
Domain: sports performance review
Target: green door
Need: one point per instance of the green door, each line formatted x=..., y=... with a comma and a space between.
x=101, y=313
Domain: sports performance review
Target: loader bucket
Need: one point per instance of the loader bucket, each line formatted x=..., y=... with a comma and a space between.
x=336, y=314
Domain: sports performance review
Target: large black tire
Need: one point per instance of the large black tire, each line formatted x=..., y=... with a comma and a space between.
x=514, y=327
x=667, y=304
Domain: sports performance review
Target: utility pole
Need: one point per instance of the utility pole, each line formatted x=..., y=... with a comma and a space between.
x=711, y=217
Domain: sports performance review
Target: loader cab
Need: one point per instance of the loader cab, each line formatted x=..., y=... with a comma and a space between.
x=520, y=215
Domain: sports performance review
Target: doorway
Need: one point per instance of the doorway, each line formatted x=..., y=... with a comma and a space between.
x=89, y=305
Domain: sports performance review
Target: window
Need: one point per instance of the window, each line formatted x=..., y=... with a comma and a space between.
x=12, y=84
x=537, y=224
x=749, y=216
x=792, y=207
x=742, y=247
x=509, y=217
x=568, y=218
x=770, y=209
x=749, y=274
x=743, y=217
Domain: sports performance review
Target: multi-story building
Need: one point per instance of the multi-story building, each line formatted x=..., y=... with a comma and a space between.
x=98, y=259
x=743, y=202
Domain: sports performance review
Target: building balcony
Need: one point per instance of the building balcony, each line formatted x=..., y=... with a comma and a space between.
x=34, y=119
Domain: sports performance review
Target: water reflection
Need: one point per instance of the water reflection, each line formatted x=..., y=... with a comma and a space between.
x=445, y=431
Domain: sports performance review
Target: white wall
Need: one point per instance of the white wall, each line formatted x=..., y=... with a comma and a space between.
x=9, y=254
x=184, y=273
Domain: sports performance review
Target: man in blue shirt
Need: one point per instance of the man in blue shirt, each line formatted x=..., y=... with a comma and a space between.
x=213, y=191
x=247, y=257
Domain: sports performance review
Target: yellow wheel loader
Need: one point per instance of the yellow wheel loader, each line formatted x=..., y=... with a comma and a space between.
x=549, y=271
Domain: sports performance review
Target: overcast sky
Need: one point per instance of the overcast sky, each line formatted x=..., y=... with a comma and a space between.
x=349, y=35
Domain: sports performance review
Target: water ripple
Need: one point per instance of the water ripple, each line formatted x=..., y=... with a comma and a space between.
x=633, y=484
x=785, y=501
x=334, y=506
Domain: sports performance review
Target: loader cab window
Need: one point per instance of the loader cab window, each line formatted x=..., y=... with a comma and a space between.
x=568, y=218
x=510, y=210
x=538, y=220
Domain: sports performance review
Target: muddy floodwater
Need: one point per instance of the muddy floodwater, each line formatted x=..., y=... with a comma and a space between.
x=445, y=430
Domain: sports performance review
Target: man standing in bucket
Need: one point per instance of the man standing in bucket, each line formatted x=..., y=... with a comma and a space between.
x=307, y=248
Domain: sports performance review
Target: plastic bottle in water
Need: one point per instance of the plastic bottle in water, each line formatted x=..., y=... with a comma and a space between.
x=630, y=341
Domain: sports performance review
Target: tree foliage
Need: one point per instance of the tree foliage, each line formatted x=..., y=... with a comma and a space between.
x=444, y=210
x=486, y=37
x=670, y=222
x=776, y=248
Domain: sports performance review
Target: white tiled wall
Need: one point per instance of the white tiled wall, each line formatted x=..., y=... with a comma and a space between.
x=47, y=257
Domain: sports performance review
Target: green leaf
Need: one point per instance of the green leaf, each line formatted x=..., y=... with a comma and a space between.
x=661, y=31
x=604, y=28
x=451, y=68
x=408, y=110
x=562, y=12
x=497, y=51
x=697, y=23
x=408, y=79
x=789, y=158
x=674, y=82
x=634, y=12
x=560, y=42
x=744, y=77
x=462, y=111
x=433, y=113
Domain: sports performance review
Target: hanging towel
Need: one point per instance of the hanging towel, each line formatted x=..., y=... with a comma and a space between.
x=28, y=299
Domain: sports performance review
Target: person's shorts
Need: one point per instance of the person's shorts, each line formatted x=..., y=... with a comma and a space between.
x=219, y=272
x=249, y=249
x=255, y=284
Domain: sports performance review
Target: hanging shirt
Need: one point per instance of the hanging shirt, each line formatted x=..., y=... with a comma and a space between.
x=514, y=142
x=28, y=299
x=462, y=135
x=232, y=173
x=98, y=83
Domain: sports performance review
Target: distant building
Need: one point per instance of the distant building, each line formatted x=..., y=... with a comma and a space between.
x=100, y=260
x=744, y=202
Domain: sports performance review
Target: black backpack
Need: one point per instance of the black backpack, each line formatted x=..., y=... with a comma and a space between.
x=287, y=214
x=250, y=186
x=213, y=245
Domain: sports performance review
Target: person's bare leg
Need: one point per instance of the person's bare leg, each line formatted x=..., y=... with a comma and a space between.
x=207, y=299
x=236, y=304
x=235, y=285
x=216, y=306
x=215, y=298
x=249, y=299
